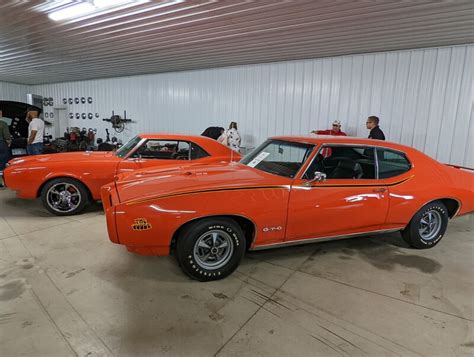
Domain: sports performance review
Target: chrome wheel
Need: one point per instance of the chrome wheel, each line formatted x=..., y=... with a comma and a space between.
x=63, y=197
x=430, y=224
x=213, y=249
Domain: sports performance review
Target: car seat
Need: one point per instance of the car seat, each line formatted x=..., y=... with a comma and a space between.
x=347, y=169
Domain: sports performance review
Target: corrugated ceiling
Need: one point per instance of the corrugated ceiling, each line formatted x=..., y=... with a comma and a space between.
x=164, y=36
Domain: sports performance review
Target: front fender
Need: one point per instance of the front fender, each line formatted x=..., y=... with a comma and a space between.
x=154, y=223
x=25, y=181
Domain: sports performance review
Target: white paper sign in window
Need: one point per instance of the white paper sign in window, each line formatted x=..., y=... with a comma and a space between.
x=258, y=159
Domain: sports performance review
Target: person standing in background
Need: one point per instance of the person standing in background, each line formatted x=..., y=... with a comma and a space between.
x=372, y=124
x=336, y=130
x=223, y=137
x=233, y=137
x=35, y=133
x=5, y=142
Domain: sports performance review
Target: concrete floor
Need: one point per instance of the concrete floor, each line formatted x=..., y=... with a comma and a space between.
x=66, y=290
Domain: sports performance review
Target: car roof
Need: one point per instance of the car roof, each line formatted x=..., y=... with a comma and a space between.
x=332, y=139
x=172, y=136
x=213, y=147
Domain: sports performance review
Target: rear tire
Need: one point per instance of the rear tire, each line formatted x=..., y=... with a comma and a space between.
x=64, y=196
x=210, y=249
x=427, y=226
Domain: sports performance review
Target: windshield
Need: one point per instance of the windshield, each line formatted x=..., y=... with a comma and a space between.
x=128, y=146
x=278, y=157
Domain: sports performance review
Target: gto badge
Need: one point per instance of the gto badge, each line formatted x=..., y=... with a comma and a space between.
x=141, y=224
x=272, y=229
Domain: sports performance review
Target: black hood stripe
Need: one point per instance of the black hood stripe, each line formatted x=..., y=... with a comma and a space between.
x=222, y=189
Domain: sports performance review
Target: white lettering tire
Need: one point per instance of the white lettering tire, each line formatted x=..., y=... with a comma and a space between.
x=427, y=226
x=211, y=248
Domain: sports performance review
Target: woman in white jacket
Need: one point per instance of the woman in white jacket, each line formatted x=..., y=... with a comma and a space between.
x=233, y=137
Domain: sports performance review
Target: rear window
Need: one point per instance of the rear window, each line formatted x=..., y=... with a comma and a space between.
x=197, y=152
x=392, y=163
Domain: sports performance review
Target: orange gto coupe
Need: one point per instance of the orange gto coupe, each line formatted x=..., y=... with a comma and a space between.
x=290, y=190
x=66, y=182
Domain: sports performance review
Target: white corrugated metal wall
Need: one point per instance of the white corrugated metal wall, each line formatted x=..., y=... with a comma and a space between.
x=15, y=92
x=424, y=98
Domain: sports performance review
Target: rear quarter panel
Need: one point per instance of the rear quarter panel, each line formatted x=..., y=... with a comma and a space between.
x=462, y=183
x=427, y=181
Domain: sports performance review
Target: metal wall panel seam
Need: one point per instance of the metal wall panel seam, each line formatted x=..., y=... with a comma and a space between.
x=443, y=102
x=458, y=102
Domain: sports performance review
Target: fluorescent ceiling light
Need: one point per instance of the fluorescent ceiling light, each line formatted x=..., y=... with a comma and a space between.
x=109, y=3
x=72, y=11
x=48, y=6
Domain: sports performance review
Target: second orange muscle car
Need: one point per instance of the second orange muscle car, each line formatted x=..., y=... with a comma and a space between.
x=67, y=182
x=290, y=190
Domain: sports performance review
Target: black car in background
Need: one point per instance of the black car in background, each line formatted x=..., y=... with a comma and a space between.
x=14, y=114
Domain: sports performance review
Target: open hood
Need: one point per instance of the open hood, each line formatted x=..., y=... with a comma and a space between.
x=17, y=112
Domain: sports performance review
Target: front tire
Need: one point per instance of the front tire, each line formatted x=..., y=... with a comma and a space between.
x=210, y=249
x=427, y=226
x=64, y=196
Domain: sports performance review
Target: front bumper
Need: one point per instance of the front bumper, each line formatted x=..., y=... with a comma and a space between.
x=121, y=220
x=109, y=200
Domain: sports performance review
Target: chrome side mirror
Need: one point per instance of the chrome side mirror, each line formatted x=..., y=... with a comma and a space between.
x=318, y=177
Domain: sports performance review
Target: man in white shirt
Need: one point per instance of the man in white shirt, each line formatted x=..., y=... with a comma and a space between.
x=35, y=133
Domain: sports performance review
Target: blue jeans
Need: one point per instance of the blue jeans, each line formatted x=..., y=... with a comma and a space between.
x=4, y=154
x=34, y=149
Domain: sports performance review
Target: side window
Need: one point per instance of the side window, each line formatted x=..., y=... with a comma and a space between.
x=163, y=150
x=197, y=152
x=392, y=163
x=343, y=162
x=182, y=152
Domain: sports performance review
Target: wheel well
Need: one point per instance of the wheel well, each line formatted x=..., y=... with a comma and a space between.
x=38, y=194
x=248, y=227
x=452, y=206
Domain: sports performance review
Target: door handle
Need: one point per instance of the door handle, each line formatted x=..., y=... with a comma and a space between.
x=380, y=190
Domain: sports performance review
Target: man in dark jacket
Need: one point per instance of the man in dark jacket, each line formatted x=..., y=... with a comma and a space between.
x=375, y=131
